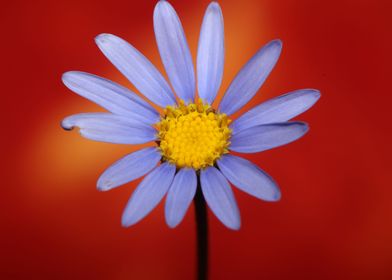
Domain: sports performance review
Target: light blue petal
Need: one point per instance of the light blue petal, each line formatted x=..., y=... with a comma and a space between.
x=265, y=137
x=220, y=197
x=249, y=178
x=148, y=194
x=180, y=196
x=211, y=53
x=129, y=168
x=137, y=68
x=279, y=109
x=174, y=50
x=250, y=78
x=110, y=96
x=106, y=127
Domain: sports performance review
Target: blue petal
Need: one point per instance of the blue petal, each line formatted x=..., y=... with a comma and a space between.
x=106, y=127
x=180, y=196
x=174, y=50
x=129, y=168
x=220, y=197
x=211, y=52
x=148, y=194
x=251, y=77
x=110, y=96
x=137, y=68
x=265, y=137
x=279, y=109
x=249, y=178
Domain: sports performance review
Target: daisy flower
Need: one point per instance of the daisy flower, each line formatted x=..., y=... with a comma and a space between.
x=191, y=141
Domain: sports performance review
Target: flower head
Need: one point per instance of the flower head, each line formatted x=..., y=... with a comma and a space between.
x=190, y=138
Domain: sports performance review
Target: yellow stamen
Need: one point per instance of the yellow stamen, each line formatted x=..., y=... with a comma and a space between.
x=193, y=135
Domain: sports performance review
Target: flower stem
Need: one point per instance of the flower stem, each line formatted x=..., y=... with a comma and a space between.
x=202, y=237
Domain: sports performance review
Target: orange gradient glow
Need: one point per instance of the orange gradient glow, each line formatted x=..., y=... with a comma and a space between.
x=335, y=217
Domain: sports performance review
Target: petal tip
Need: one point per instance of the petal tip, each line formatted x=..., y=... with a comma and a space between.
x=69, y=78
x=312, y=92
x=316, y=93
x=103, y=186
x=305, y=127
x=103, y=38
x=171, y=224
x=162, y=3
x=235, y=226
x=302, y=128
x=170, y=220
x=126, y=221
x=67, y=125
x=277, y=42
x=275, y=46
x=276, y=196
x=214, y=6
x=66, y=77
x=124, y=224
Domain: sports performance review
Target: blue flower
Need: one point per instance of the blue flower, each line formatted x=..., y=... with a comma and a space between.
x=190, y=138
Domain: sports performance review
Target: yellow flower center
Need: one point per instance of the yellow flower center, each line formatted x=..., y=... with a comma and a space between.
x=193, y=135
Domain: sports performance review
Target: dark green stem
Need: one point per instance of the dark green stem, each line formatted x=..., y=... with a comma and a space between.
x=202, y=234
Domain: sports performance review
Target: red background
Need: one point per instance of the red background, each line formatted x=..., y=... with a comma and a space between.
x=334, y=220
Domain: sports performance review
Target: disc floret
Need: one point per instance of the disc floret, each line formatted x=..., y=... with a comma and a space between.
x=193, y=135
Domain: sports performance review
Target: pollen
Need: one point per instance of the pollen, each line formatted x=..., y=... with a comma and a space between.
x=193, y=135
